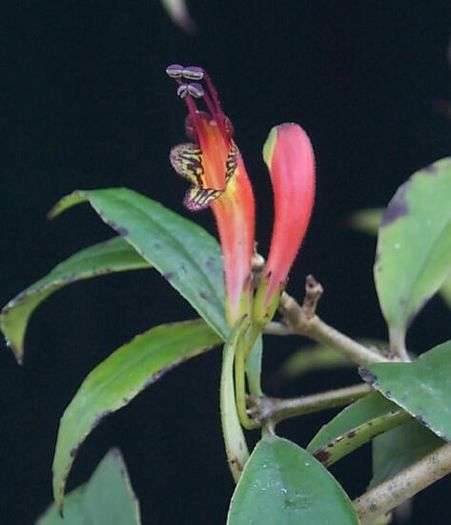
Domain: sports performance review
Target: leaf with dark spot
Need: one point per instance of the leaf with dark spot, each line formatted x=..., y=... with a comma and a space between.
x=414, y=247
x=170, y=243
x=397, y=207
x=431, y=169
x=368, y=221
x=422, y=388
x=354, y=426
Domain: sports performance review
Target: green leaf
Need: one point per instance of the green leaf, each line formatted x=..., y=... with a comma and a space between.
x=183, y=252
x=399, y=448
x=234, y=440
x=413, y=256
x=282, y=484
x=354, y=426
x=422, y=388
x=107, y=498
x=366, y=221
x=310, y=359
x=114, y=255
x=120, y=378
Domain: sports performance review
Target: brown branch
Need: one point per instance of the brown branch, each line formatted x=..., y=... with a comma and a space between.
x=404, y=485
x=302, y=320
x=269, y=409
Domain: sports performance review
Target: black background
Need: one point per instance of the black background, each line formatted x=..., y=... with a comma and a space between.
x=86, y=104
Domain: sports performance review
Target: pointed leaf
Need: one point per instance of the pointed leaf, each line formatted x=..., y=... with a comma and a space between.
x=414, y=245
x=106, y=498
x=422, y=388
x=282, y=484
x=354, y=426
x=391, y=454
x=114, y=255
x=120, y=378
x=183, y=252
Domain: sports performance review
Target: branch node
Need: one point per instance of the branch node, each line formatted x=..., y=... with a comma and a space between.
x=313, y=293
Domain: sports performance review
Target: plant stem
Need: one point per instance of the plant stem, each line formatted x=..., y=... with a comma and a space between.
x=275, y=410
x=302, y=320
x=234, y=440
x=321, y=332
x=403, y=486
x=398, y=343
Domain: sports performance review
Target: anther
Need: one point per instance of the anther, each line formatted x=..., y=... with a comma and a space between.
x=193, y=73
x=175, y=71
x=195, y=90
x=182, y=90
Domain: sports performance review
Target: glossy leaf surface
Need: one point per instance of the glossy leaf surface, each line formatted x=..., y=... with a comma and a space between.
x=354, y=426
x=282, y=484
x=114, y=255
x=422, y=388
x=183, y=252
x=368, y=221
x=107, y=498
x=120, y=378
x=413, y=256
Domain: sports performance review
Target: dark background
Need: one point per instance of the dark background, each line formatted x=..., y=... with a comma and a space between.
x=86, y=104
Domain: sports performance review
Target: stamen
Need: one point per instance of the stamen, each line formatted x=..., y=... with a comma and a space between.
x=175, y=71
x=183, y=90
x=193, y=73
x=195, y=90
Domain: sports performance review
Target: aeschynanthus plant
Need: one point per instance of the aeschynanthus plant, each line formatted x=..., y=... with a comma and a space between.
x=279, y=482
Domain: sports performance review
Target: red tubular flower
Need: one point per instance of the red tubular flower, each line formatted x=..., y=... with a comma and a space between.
x=289, y=156
x=213, y=165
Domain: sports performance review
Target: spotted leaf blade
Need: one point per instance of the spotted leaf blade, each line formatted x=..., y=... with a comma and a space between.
x=414, y=246
x=422, y=388
x=354, y=426
x=183, y=252
x=368, y=221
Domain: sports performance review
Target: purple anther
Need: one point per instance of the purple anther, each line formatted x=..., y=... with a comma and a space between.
x=183, y=90
x=193, y=73
x=195, y=90
x=175, y=71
